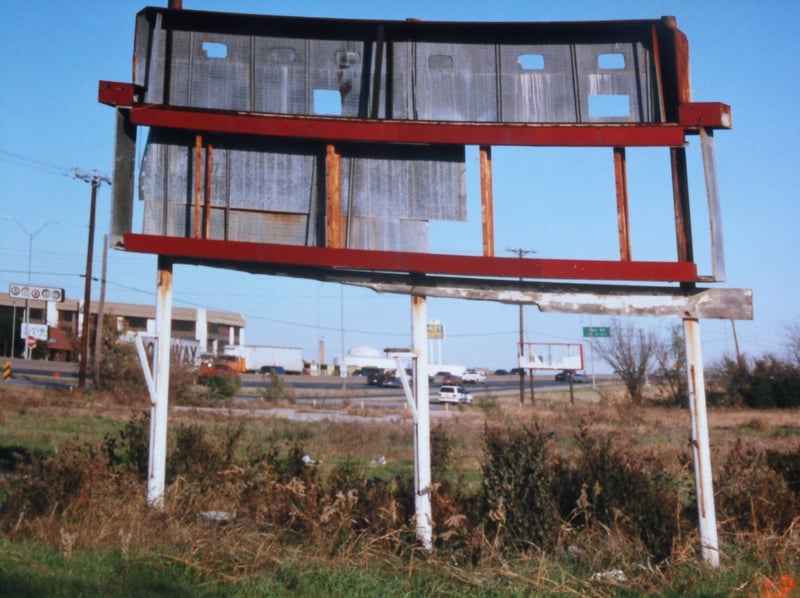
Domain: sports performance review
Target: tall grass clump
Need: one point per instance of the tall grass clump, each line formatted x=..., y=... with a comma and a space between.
x=609, y=490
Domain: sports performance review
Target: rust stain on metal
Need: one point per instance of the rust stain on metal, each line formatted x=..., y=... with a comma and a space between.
x=198, y=177
x=487, y=201
x=695, y=435
x=333, y=194
x=623, y=221
x=207, y=195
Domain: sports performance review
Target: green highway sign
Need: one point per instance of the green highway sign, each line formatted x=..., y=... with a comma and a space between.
x=596, y=331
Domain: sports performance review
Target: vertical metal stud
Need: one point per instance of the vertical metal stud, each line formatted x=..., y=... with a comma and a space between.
x=623, y=219
x=487, y=200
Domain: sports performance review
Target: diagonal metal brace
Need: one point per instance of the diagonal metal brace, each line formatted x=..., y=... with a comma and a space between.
x=148, y=375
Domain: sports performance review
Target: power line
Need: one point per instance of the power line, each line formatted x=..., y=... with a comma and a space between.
x=34, y=163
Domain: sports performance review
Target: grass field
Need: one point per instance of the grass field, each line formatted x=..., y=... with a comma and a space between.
x=74, y=519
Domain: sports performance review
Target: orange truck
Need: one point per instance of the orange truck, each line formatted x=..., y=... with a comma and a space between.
x=222, y=364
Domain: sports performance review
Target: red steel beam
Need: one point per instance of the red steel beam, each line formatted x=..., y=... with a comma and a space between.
x=692, y=116
x=247, y=255
x=402, y=131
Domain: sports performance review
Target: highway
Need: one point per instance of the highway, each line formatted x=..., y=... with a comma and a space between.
x=319, y=390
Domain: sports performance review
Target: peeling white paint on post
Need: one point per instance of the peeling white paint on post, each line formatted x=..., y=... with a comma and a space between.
x=700, y=444
x=158, y=412
x=422, y=426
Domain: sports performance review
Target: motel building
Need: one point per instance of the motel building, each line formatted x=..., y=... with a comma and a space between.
x=57, y=326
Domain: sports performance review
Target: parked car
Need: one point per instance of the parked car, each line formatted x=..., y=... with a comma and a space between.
x=501, y=372
x=375, y=376
x=446, y=378
x=454, y=394
x=577, y=377
x=473, y=376
x=518, y=372
x=392, y=382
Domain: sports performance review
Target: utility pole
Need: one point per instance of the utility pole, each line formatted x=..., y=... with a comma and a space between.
x=520, y=254
x=95, y=180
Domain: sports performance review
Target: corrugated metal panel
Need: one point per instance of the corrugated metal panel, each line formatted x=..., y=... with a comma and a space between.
x=618, y=72
x=443, y=81
x=270, y=191
x=531, y=78
x=394, y=235
x=536, y=84
x=394, y=181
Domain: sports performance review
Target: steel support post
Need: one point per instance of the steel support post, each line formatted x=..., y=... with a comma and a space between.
x=422, y=426
x=159, y=409
x=700, y=443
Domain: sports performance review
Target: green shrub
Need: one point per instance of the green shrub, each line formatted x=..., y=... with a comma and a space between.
x=518, y=488
x=130, y=447
x=222, y=386
x=766, y=384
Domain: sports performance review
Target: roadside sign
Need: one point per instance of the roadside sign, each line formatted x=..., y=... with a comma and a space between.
x=6, y=370
x=596, y=331
x=26, y=291
x=435, y=330
x=31, y=342
x=35, y=331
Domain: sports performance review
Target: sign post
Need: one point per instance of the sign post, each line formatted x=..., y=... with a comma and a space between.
x=595, y=332
x=37, y=293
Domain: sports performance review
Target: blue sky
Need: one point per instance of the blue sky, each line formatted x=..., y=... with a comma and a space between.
x=742, y=53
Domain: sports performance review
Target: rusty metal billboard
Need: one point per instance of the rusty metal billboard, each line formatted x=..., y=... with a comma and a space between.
x=325, y=147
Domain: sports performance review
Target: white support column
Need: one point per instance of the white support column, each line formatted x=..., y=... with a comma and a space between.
x=159, y=410
x=201, y=328
x=422, y=426
x=700, y=444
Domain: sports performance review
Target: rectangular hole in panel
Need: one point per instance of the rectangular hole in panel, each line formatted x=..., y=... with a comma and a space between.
x=328, y=102
x=347, y=59
x=281, y=55
x=531, y=62
x=608, y=105
x=215, y=50
x=440, y=62
x=611, y=61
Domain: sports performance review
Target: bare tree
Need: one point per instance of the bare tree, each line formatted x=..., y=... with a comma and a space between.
x=630, y=352
x=793, y=344
x=671, y=361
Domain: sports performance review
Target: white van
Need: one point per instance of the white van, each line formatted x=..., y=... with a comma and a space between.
x=454, y=394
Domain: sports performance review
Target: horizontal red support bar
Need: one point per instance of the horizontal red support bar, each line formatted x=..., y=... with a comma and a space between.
x=245, y=255
x=401, y=131
x=393, y=131
x=709, y=115
x=116, y=94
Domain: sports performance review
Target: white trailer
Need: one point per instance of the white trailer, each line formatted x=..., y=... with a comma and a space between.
x=256, y=357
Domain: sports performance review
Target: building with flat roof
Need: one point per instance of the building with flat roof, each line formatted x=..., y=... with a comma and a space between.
x=59, y=324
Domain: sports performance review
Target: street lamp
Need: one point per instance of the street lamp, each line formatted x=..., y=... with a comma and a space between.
x=95, y=179
x=31, y=236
